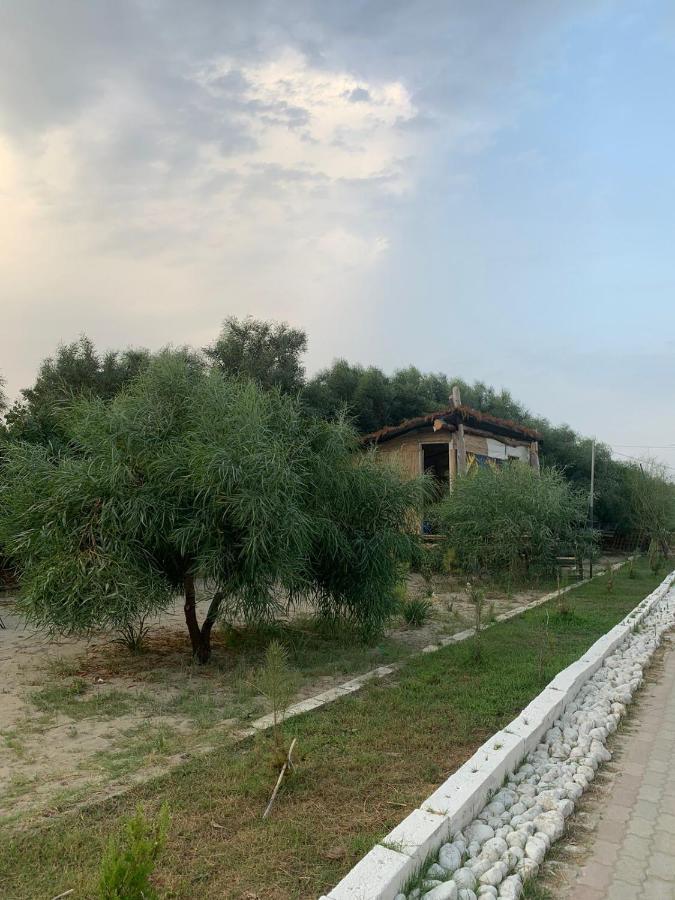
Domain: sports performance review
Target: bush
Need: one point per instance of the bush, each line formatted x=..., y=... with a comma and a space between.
x=513, y=521
x=129, y=862
x=188, y=475
x=415, y=612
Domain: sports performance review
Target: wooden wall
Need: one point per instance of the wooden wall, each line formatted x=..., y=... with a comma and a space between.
x=406, y=448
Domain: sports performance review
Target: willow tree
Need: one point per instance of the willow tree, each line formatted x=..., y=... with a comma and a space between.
x=190, y=478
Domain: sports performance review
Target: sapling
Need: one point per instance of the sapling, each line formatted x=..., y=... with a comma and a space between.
x=129, y=861
x=278, y=683
x=610, y=579
x=631, y=568
x=477, y=600
x=654, y=556
x=545, y=646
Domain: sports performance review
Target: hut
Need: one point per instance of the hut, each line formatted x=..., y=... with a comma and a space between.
x=454, y=440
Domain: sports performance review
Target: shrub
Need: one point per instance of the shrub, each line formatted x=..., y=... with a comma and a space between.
x=512, y=520
x=189, y=475
x=416, y=611
x=130, y=861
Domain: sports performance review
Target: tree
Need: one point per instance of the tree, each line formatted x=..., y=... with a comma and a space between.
x=77, y=369
x=652, y=503
x=266, y=352
x=188, y=478
x=3, y=395
x=512, y=520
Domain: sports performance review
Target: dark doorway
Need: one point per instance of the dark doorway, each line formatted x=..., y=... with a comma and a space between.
x=436, y=461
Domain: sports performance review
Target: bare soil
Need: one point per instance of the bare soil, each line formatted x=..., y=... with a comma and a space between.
x=83, y=718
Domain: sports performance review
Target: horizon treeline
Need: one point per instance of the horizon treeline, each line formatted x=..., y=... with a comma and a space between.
x=271, y=354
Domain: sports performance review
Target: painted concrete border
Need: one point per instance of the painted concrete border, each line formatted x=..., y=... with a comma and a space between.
x=355, y=684
x=383, y=872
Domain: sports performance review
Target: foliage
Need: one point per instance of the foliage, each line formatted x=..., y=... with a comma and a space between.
x=77, y=369
x=187, y=475
x=266, y=352
x=415, y=612
x=3, y=395
x=652, y=503
x=129, y=862
x=277, y=682
x=511, y=520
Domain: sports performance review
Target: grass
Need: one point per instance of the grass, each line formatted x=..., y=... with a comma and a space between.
x=69, y=698
x=362, y=764
x=141, y=746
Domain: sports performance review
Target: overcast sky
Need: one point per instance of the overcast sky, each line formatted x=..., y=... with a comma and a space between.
x=485, y=188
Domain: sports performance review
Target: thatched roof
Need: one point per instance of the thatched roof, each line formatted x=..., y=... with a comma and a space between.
x=449, y=419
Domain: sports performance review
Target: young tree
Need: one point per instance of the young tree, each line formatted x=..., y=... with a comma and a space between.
x=188, y=478
x=266, y=352
x=513, y=521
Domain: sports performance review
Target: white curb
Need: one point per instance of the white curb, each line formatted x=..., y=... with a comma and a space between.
x=383, y=872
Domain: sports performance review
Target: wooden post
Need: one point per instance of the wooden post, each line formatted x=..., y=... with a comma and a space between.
x=591, y=498
x=534, y=455
x=461, y=450
x=455, y=401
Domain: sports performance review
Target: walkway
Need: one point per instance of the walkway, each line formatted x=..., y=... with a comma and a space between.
x=632, y=852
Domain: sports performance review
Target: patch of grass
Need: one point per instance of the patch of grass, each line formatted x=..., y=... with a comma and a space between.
x=13, y=740
x=70, y=699
x=362, y=764
x=141, y=746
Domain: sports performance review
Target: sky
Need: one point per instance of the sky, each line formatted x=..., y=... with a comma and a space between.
x=482, y=188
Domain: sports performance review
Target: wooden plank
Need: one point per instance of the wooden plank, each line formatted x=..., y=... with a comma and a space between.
x=461, y=451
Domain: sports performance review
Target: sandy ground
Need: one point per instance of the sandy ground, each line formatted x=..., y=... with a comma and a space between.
x=81, y=719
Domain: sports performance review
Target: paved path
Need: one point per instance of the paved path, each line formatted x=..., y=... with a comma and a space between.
x=632, y=854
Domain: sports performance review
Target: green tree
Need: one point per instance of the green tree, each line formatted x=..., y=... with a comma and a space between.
x=77, y=369
x=511, y=520
x=188, y=479
x=267, y=352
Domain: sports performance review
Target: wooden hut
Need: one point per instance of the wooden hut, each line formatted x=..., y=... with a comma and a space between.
x=456, y=439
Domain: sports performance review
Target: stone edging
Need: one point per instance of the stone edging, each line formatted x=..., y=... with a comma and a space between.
x=382, y=873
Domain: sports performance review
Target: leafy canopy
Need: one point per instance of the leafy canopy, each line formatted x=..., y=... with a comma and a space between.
x=512, y=520
x=188, y=473
x=266, y=352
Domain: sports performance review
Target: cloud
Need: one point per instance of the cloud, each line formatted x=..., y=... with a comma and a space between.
x=163, y=164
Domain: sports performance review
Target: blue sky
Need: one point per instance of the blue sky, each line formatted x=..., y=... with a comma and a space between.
x=485, y=189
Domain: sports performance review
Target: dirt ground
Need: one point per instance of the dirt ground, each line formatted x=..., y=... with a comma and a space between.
x=83, y=718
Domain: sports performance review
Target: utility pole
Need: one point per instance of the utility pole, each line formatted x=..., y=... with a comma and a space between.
x=590, y=567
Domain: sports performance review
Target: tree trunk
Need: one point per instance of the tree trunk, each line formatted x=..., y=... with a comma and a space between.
x=200, y=638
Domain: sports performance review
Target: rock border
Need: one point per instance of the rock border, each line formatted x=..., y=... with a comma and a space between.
x=384, y=871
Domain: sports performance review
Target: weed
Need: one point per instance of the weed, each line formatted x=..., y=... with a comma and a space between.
x=132, y=635
x=416, y=611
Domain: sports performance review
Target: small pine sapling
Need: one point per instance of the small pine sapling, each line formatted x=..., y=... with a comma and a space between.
x=477, y=600
x=129, y=861
x=277, y=682
x=545, y=646
x=654, y=556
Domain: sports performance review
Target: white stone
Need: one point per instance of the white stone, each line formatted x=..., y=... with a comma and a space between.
x=446, y=891
x=450, y=857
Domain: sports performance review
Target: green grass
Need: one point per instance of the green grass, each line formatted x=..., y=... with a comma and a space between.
x=141, y=746
x=363, y=763
x=70, y=698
